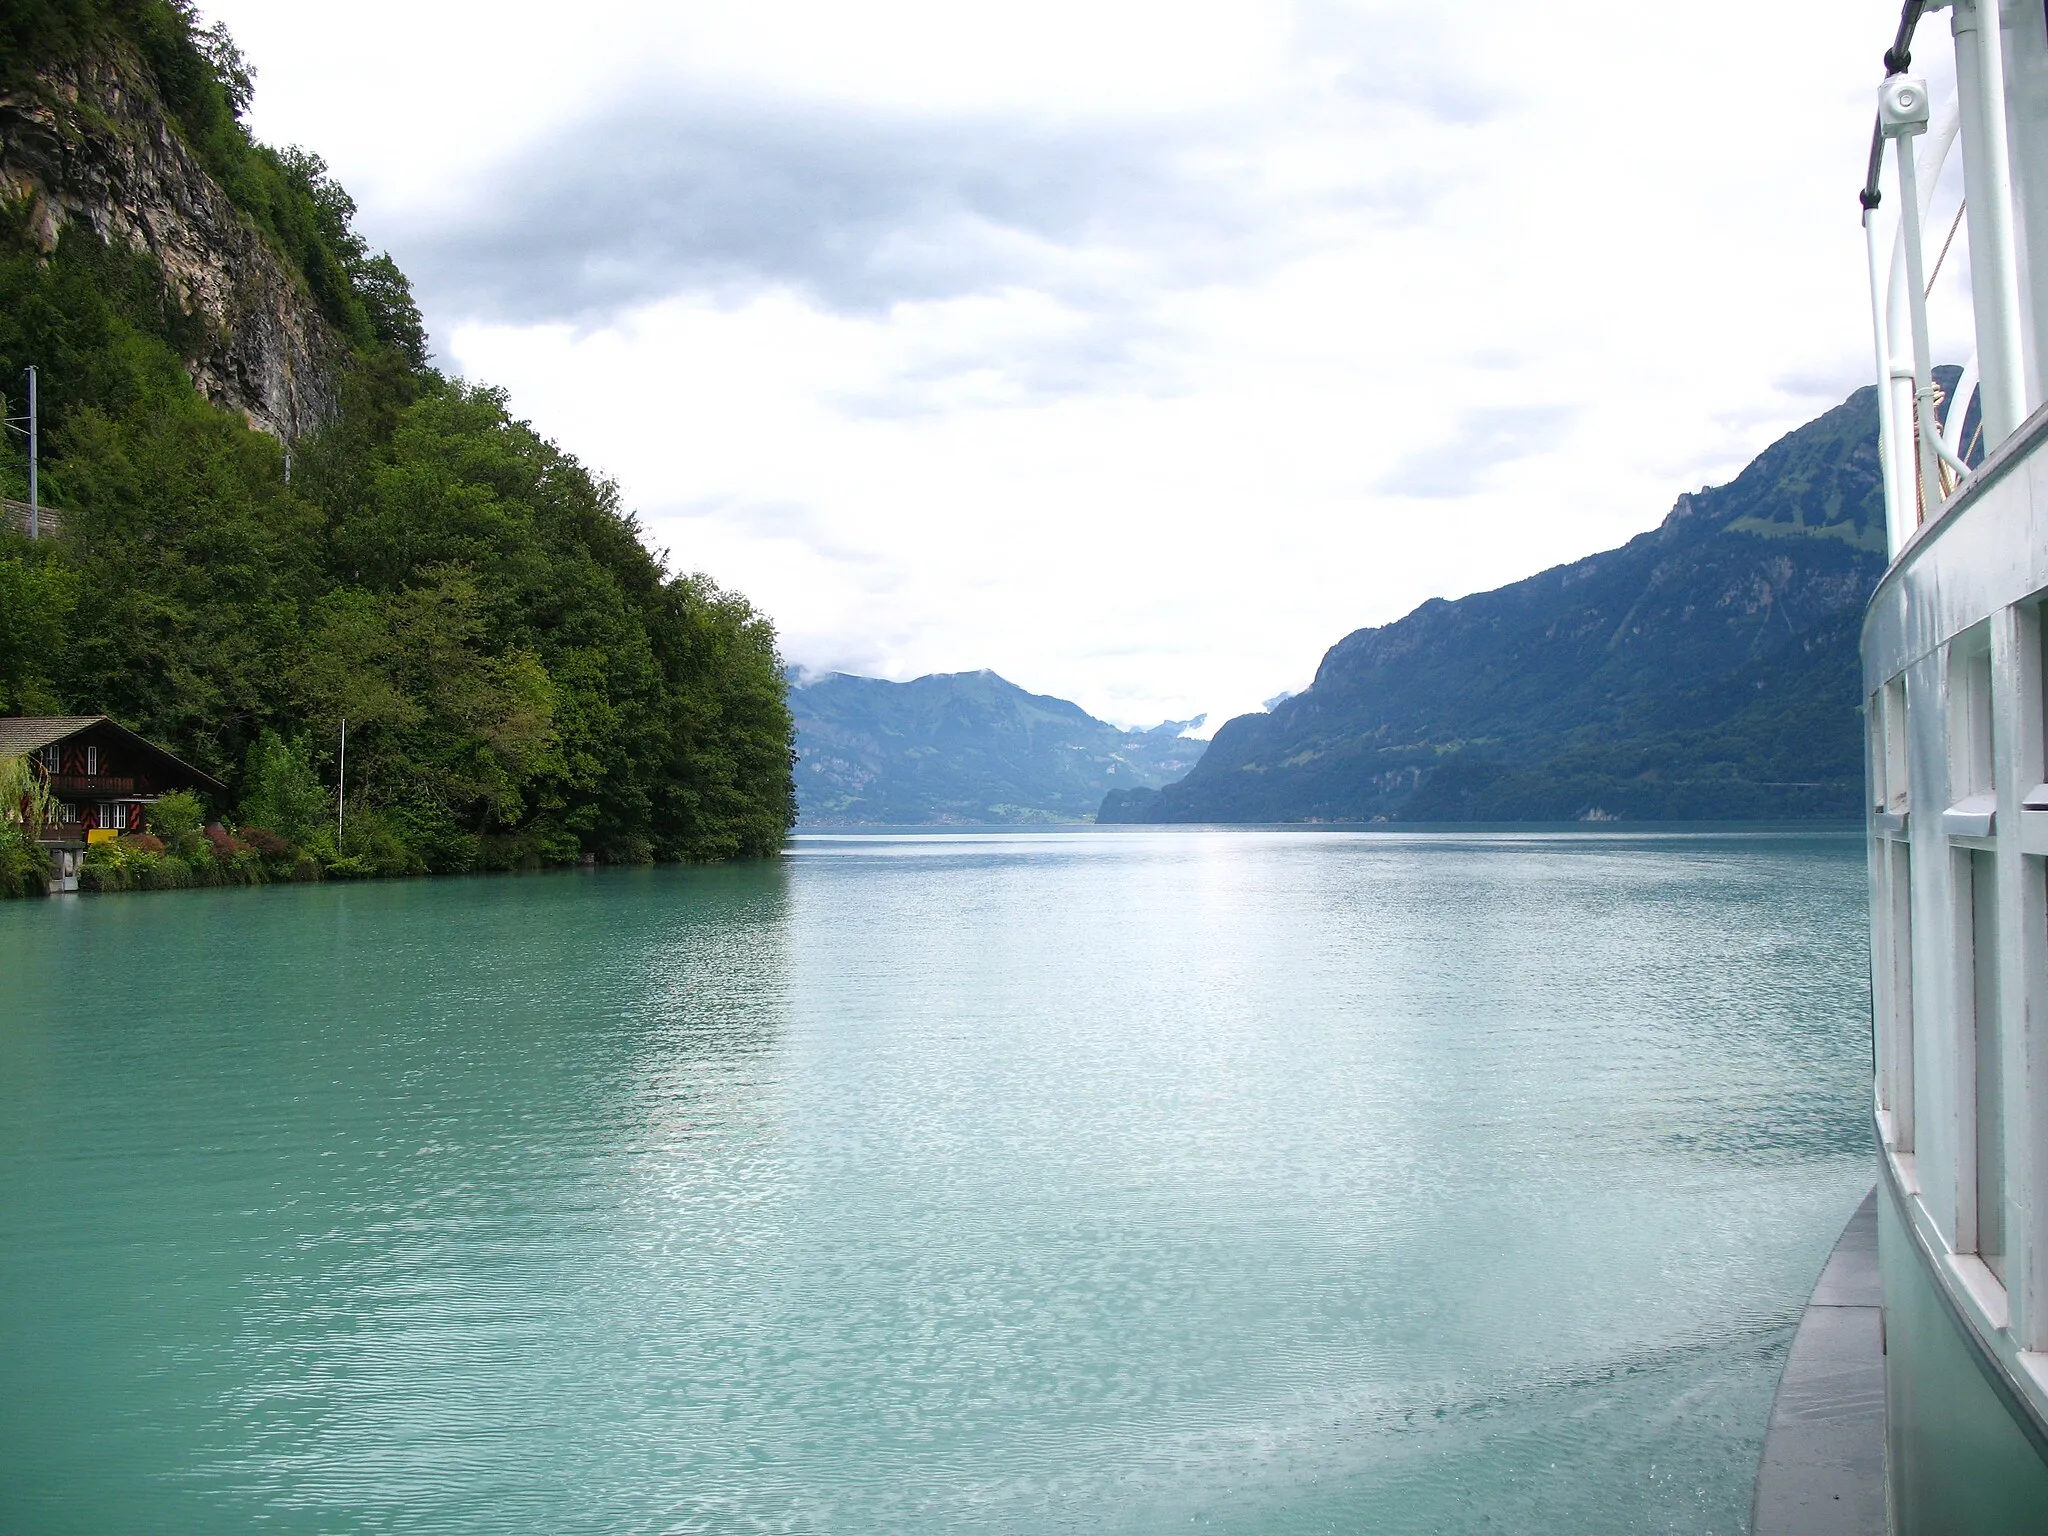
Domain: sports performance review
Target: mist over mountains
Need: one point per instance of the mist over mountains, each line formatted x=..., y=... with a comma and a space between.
x=965, y=748
x=1705, y=670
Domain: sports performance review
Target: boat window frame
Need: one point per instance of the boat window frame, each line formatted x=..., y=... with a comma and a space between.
x=1972, y=733
x=1892, y=898
x=2022, y=636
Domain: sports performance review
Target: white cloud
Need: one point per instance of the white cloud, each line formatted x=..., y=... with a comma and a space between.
x=1137, y=350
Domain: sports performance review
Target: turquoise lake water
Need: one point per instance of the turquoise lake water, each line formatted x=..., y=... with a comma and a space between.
x=1112, y=1181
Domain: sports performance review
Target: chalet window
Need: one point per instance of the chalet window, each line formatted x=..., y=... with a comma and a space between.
x=92, y=761
x=52, y=760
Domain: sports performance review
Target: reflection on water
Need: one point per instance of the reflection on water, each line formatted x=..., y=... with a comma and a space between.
x=1269, y=1182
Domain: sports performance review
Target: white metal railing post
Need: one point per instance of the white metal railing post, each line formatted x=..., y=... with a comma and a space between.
x=1895, y=518
x=1929, y=150
x=1902, y=109
x=1994, y=259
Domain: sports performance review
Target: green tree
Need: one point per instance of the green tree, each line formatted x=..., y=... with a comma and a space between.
x=522, y=679
x=38, y=594
x=281, y=794
x=25, y=803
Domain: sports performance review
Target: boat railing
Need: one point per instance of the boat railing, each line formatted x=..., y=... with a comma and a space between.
x=1925, y=457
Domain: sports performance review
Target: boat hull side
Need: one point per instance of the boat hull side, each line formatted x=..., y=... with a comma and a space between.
x=1963, y=1456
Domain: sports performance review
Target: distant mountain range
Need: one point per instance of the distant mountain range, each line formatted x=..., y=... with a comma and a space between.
x=965, y=747
x=1705, y=670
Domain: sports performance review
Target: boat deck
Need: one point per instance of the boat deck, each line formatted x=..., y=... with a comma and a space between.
x=1823, y=1465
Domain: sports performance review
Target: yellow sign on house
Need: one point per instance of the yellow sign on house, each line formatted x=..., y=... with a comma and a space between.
x=101, y=834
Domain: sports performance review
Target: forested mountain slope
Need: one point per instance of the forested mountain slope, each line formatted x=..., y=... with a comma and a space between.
x=965, y=747
x=1706, y=669
x=276, y=515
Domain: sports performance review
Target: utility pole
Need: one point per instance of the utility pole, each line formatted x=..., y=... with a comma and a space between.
x=35, y=516
x=340, y=786
x=16, y=424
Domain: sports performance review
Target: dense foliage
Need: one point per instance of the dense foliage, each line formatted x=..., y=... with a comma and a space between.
x=25, y=804
x=182, y=849
x=522, y=680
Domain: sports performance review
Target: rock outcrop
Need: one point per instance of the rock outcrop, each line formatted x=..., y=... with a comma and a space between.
x=91, y=145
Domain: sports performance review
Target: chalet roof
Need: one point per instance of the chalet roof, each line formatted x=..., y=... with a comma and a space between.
x=28, y=733
x=25, y=733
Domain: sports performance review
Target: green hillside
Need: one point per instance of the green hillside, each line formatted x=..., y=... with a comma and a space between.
x=523, y=681
x=1704, y=670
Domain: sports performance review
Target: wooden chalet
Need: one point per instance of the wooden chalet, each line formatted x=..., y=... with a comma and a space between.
x=102, y=777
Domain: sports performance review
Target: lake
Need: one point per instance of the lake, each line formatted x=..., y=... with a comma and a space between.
x=1098, y=1181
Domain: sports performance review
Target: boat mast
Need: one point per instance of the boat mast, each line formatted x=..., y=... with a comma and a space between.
x=1922, y=464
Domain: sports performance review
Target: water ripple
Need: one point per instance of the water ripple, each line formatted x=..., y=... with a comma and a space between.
x=1115, y=1182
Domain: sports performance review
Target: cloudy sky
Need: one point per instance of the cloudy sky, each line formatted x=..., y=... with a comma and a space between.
x=1139, y=349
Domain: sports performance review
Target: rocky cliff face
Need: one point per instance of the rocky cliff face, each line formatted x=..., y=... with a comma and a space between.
x=90, y=145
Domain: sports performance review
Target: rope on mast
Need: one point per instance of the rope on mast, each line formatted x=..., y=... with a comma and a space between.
x=1935, y=275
